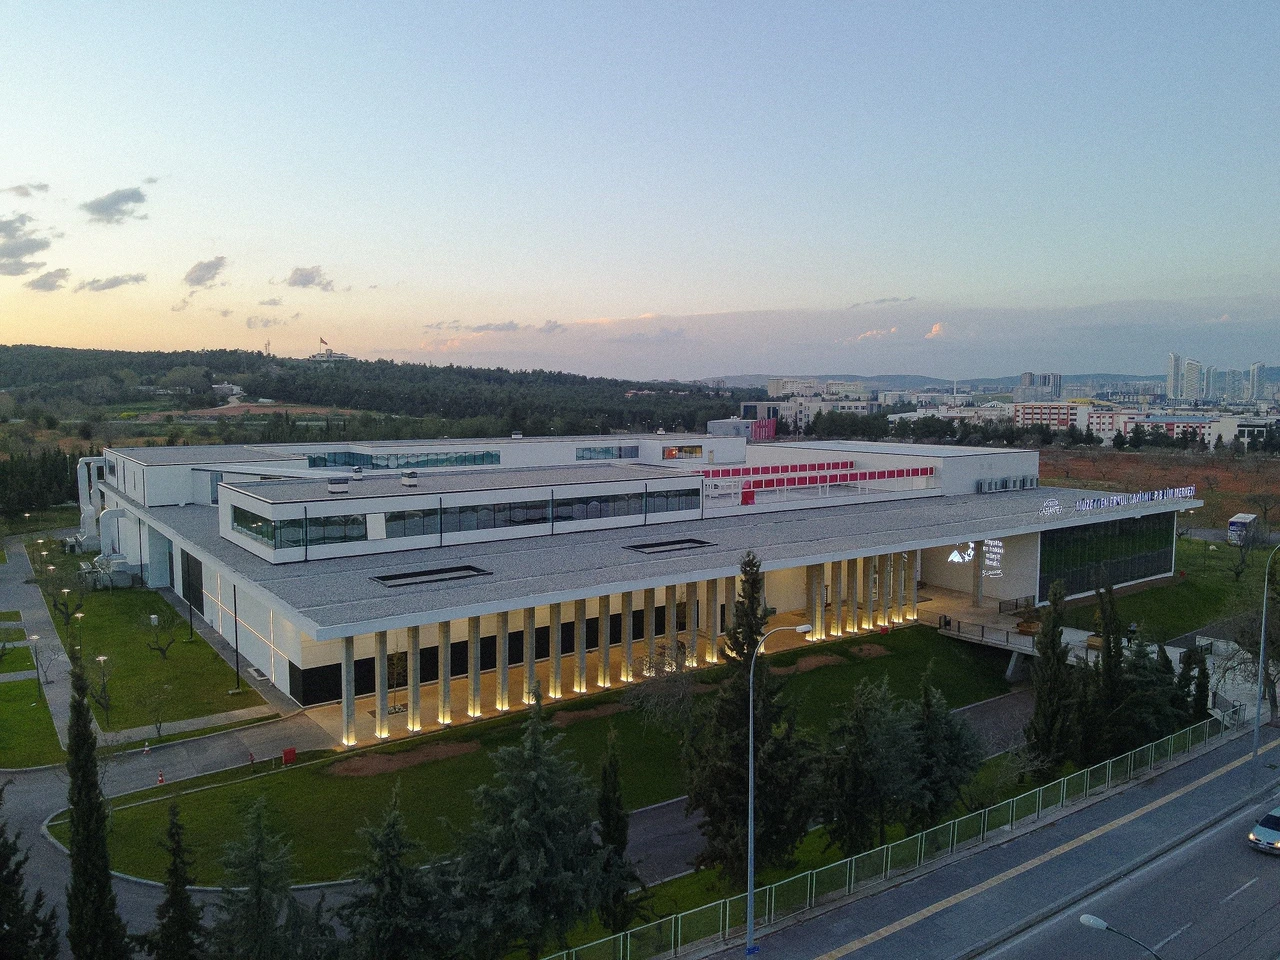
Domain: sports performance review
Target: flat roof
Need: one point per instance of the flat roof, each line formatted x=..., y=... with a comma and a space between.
x=386, y=483
x=204, y=453
x=944, y=451
x=339, y=596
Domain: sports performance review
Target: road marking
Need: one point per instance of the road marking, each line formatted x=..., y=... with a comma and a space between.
x=1177, y=933
x=1241, y=890
x=925, y=913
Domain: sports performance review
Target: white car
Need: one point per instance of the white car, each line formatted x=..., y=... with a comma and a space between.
x=1266, y=834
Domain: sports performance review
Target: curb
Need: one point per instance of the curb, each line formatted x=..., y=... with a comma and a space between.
x=1043, y=914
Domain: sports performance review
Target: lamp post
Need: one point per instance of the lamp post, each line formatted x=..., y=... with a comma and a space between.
x=79, y=632
x=751, y=784
x=1262, y=651
x=1097, y=923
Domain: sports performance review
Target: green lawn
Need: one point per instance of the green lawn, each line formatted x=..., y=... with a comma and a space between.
x=10, y=616
x=55, y=518
x=192, y=681
x=16, y=660
x=27, y=737
x=319, y=812
x=1207, y=592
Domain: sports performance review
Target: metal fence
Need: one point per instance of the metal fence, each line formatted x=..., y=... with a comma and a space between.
x=982, y=633
x=720, y=921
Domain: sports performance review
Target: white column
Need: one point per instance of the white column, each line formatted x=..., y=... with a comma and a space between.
x=651, y=629
x=580, y=646
x=381, y=728
x=628, y=636
x=713, y=620
x=837, y=599
x=813, y=577
x=473, y=667
x=604, y=616
x=691, y=623
x=886, y=588
x=530, y=653
x=730, y=602
x=915, y=586
x=673, y=648
x=979, y=550
x=851, y=584
x=554, y=692
x=444, y=712
x=503, y=701
x=413, y=657
x=349, y=691
x=868, y=565
x=902, y=586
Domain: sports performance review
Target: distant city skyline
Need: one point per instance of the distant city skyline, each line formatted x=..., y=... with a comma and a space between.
x=648, y=191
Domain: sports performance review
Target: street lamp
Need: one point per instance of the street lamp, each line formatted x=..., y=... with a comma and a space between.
x=79, y=632
x=751, y=784
x=1262, y=651
x=1097, y=923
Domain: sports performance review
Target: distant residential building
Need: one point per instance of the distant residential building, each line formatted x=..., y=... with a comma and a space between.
x=1234, y=388
x=1257, y=380
x=1038, y=386
x=1173, y=379
x=792, y=387
x=1192, y=380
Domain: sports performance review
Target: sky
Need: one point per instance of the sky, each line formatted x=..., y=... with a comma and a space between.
x=648, y=190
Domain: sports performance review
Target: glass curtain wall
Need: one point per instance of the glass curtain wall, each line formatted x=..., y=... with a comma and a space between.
x=1110, y=552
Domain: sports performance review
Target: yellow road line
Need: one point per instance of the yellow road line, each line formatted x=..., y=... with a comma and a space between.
x=923, y=914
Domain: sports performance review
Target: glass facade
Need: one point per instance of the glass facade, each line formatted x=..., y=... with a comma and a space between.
x=665, y=501
x=495, y=516
x=413, y=523
x=693, y=452
x=405, y=461
x=343, y=528
x=1110, y=552
x=602, y=507
x=252, y=525
x=607, y=453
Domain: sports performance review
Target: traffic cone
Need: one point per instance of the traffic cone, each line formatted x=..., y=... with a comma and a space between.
x=160, y=779
x=146, y=749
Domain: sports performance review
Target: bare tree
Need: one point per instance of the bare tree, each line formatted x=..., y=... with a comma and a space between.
x=65, y=591
x=1264, y=499
x=665, y=699
x=164, y=630
x=45, y=657
x=1241, y=663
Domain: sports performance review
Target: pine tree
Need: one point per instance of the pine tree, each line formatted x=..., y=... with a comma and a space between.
x=949, y=754
x=1113, y=687
x=618, y=878
x=1200, y=695
x=258, y=917
x=529, y=870
x=27, y=930
x=390, y=916
x=94, y=928
x=715, y=755
x=870, y=765
x=179, y=933
x=1049, y=730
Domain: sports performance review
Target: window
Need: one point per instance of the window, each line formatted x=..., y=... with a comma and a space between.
x=252, y=525
x=405, y=461
x=607, y=453
x=666, y=501
x=600, y=507
x=494, y=516
x=682, y=453
x=413, y=523
x=436, y=575
x=341, y=528
x=214, y=480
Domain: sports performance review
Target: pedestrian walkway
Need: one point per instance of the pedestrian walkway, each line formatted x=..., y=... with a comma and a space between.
x=17, y=593
x=148, y=731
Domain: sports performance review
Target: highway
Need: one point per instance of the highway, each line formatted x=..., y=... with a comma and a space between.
x=1141, y=858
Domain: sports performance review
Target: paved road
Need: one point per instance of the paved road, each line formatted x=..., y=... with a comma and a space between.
x=1214, y=898
x=963, y=904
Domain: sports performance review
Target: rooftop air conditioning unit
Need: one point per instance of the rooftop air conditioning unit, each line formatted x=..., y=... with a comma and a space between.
x=357, y=473
x=338, y=485
x=409, y=478
x=517, y=435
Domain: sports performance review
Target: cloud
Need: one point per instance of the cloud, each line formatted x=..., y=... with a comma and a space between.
x=26, y=189
x=225, y=313
x=273, y=302
x=48, y=282
x=116, y=206
x=205, y=272
x=881, y=302
x=310, y=277
x=17, y=242
x=552, y=326
x=263, y=323
x=150, y=180
x=935, y=332
x=509, y=327
x=875, y=334
x=123, y=280
x=180, y=306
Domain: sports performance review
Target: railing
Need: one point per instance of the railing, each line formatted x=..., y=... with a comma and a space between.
x=1014, y=606
x=717, y=922
x=992, y=636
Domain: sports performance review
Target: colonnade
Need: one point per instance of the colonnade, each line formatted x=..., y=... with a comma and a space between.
x=842, y=598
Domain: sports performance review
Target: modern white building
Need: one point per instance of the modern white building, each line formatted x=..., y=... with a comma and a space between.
x=343, y=570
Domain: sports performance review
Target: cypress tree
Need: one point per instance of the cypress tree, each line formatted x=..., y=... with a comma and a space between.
x=1049, y=730
x=1200, y=695
x=949, y=754
x=715, y=754
x=617, y=908
x=94, y=928
x=27, y=930
x=179, y=932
